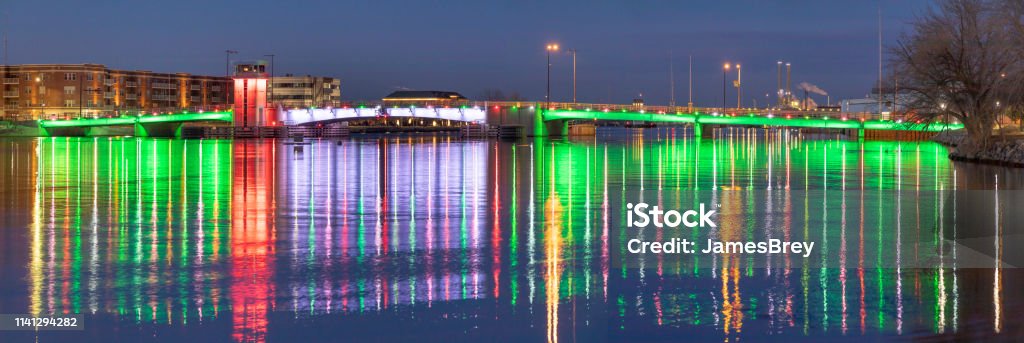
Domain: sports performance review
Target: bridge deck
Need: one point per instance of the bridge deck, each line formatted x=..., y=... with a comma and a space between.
x=752, y=120
x=124, y=121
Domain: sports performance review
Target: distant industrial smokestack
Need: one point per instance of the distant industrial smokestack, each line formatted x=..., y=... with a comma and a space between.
x=789, y=83
x=778, y=85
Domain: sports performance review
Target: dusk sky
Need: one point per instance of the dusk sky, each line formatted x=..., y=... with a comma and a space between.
x=467, y=46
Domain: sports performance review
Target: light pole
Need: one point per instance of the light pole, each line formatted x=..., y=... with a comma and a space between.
x=739, y=91
x=573, y=51
x=725, y=69
x=689, y=104
x=227, y=62
x=547, y=97
x=271, y=83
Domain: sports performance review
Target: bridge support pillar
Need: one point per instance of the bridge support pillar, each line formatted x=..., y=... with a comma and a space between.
x=698, y=130
x=540, y=128
x=543, y=128
x=562, y=128
x=860, y=134
x=170, y=130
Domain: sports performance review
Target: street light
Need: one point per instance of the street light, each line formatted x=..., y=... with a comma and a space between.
x=725, y=69
x=550, y=48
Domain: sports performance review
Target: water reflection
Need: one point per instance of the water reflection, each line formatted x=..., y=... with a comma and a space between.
x=255, y=240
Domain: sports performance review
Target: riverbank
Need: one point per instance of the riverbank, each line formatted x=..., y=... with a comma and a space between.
x=1003, y=151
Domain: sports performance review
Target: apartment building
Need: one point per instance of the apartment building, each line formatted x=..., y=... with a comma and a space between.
x=304, y=91
x=66, y=91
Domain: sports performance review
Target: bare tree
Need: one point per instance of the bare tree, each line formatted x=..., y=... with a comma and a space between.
x=962, y=60
x=1014, y=14
x=492, y=94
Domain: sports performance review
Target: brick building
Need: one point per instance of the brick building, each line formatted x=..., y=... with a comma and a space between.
x=48, y=91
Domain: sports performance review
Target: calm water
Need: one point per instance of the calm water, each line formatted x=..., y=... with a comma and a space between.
x=432, y=238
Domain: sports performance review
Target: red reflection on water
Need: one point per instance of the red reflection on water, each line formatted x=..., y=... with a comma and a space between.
x=252, y=240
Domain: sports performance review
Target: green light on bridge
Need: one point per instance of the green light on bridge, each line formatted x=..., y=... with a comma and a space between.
x=124, y=121
x=750, y=120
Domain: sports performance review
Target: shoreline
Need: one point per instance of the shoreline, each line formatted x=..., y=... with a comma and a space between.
x=1003, y=152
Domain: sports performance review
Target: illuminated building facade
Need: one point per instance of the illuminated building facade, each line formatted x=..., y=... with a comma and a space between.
x=67, y=91
x=250, y=92
x=305, y=91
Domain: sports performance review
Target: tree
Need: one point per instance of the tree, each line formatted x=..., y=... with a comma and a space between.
x=493, y=94
x=962, y=60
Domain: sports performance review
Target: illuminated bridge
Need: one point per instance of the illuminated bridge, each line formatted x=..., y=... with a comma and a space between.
x=168, y=125
x=557, y=120
x=530, y=117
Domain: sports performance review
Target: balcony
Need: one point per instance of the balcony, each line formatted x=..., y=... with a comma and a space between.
x=195, y=87
x=215, y=89
x=161, y=85
x=194, y=99
x=11, y=94
x=131, y=84
x=11, y=80
x=109, y=82
x=108, y=95
x=162, y=97
x=131, y=97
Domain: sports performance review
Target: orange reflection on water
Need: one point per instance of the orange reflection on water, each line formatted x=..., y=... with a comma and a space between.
x=252, y=240
x=732, y=303
x=553, y=274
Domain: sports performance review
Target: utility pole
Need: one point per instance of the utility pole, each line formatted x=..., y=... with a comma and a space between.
x=879, y=61
x=671, y=83
x=573, y=51
x=689, y=105
x=739, y=84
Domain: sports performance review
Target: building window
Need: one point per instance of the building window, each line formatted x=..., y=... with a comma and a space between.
x=69, y=103
x=88, y=76
x=70, y=76
x=42, y=90
x=69, y=90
